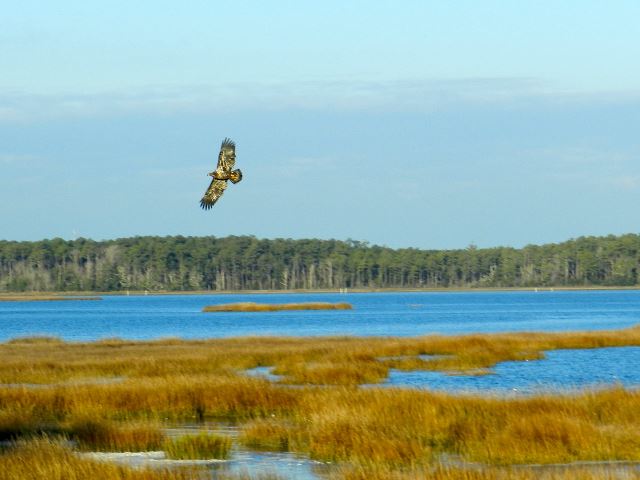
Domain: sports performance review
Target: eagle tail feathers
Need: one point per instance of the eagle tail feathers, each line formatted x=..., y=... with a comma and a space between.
x=235, y=176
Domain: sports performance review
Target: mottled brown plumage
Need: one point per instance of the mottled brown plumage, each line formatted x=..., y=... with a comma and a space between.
x=222, y=173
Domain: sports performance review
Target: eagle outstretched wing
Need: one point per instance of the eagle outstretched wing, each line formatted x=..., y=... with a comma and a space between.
x=222, y=173
x=213, y=193
x=227, y=155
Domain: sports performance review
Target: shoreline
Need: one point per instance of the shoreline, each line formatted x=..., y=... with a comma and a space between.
x=95, y=295
x=46, y=298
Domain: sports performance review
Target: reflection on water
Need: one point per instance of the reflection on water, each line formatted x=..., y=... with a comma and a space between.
x=263, y=372
x=559, y=371
x=145, y=459
x=282, y=465
x=245, y=461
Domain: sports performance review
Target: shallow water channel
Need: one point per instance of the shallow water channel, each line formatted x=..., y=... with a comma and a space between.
x=561, y=371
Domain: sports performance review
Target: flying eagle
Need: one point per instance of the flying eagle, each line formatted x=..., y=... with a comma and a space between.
x=222, y=173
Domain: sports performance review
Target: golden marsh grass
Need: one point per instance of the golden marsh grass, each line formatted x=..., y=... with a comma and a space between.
x=58, y=388
x=44, y=459
x=96, y=434
x=269, y=307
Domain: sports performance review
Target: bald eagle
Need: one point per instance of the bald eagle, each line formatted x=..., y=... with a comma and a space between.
x=222, y=173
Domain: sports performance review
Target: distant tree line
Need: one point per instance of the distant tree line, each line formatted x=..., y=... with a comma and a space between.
x=246, y=263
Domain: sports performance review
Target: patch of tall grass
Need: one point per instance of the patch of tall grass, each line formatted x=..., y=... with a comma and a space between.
x=45, y=459
x=203, y=445
x=102, y=435
x=266, y=434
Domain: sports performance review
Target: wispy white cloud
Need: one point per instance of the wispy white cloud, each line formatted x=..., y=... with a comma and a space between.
x=626, y=182
x=17, y=158
x=304, y=166
x=569, y=158
x=597, y=179
x=178, y=172
x=406, y=95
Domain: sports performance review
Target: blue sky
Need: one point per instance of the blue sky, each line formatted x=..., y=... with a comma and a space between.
x=408, y=124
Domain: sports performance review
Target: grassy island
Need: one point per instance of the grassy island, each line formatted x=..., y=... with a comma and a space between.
x=275, y=307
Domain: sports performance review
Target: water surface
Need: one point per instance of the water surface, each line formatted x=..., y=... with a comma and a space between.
x=374, y=314
x=561, y=371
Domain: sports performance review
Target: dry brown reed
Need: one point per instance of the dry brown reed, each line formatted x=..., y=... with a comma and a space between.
x=268, y=307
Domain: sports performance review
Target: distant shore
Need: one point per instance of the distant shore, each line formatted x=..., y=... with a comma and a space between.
x=83, y=295
x=43, y=297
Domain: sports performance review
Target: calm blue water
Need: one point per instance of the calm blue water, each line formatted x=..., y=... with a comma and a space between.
x=374, y=314
x=560, y=371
